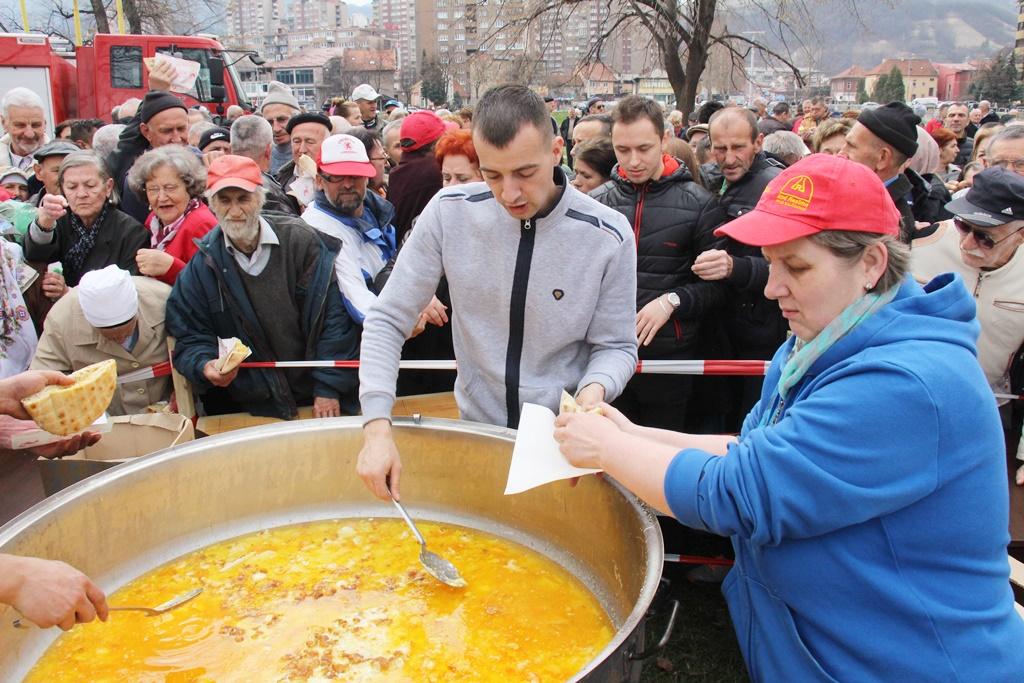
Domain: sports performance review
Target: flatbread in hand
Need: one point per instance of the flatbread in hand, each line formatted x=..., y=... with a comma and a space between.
x=232, y=353
x=68, y=410
x=568, y=404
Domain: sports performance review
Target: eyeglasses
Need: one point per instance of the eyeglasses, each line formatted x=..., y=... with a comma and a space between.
x=327, y=178
x=983, y=239
x=1016, y=164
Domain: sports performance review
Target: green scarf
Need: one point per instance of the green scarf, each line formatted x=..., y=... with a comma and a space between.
x=804, y=354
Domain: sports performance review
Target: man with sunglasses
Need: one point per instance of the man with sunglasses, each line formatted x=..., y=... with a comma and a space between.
x=982, y=243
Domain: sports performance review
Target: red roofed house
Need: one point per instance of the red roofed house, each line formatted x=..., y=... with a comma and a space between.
x=920, y=77
x=846, y=84
x=376, y=67
x=598, y=79
x=308, y=74
x=955, y=81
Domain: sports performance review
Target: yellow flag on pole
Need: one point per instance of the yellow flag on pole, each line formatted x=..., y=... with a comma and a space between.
x=120, y=17
x=78, y=23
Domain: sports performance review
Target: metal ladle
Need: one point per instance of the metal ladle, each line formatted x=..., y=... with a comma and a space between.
x=438, y=567
x=150, y=611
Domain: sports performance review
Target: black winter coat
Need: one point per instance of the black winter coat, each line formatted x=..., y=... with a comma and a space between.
x=753, y=324
x=120, y=236
x=673, y=220
x=900, y=190
x=929, y=196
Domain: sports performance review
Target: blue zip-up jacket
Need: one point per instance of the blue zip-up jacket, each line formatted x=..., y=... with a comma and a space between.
x=199, y=310
x=870, y=521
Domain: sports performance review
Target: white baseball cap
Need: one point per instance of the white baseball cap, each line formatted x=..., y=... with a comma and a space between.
x=365, y=92
x=344, y=155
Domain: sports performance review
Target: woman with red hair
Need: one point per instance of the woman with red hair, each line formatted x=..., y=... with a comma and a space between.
x=457, y=157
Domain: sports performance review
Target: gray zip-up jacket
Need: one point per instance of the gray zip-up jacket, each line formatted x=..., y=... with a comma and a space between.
x=540, y=305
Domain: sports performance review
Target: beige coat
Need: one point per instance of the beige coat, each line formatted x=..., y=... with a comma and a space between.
x=69, y=343
x=998, y=294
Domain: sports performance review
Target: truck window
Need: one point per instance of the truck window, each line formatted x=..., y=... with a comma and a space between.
x=125, y=66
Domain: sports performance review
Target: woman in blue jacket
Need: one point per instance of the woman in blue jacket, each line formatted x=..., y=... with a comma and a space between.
x=866, y=495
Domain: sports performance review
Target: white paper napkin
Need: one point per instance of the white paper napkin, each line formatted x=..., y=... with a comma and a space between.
x=536, y=459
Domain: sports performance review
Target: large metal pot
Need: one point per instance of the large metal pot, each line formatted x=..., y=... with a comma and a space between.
x=121, y=523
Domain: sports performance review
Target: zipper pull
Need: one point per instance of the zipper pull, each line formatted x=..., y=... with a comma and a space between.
x=977, y=286
x=528, y=224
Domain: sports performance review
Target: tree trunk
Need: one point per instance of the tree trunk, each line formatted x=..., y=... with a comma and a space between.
x=100, y=13
x=697, y=49
x=132, y=16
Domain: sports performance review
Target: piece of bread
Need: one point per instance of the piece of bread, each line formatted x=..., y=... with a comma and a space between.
x=568, y=405
x=66, y=410
x=236, y=355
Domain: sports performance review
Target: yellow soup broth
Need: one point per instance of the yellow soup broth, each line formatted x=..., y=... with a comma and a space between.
x=342, y=600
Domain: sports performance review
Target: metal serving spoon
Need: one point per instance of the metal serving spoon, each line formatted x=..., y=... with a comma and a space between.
x=150, y=611
x=438, y=567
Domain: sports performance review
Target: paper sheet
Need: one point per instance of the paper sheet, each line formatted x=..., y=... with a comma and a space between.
x=185, y=71
x=20, y=434
x=536, y=459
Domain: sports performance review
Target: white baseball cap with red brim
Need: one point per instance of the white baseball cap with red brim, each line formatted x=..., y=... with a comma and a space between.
x=344, y=155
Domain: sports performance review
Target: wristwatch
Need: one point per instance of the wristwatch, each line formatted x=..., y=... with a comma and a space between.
x=673, y=299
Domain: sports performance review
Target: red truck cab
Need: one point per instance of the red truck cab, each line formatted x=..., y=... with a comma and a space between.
x=97, y=77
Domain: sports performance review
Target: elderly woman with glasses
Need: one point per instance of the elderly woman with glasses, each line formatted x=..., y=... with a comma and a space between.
x=864, y=496
x=171, y=180
x=80, y=228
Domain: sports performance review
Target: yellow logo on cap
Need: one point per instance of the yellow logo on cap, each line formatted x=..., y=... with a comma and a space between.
x=797, y=193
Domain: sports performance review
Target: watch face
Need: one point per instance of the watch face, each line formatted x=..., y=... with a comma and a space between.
x=673, y=299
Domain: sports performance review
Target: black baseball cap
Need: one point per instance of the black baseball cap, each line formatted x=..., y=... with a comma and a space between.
x=213, y=135
x=996, y=198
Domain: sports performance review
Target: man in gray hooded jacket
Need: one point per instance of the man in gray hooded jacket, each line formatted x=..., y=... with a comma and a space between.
x=542, y=281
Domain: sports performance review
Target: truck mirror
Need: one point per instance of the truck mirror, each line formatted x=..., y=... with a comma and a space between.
x=218, y=93
x=216, y=66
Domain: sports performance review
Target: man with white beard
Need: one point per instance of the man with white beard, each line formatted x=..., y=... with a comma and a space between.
x=269, y=281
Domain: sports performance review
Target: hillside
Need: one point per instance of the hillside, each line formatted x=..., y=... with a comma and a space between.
x=939, y=30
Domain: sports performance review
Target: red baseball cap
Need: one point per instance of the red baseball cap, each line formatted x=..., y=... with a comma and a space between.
x=420, y=128
x=230, y=170
x=344, y=155
x=820, y=192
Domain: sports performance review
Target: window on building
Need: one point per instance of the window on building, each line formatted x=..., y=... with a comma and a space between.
x=442, y=15
x=303, y=76
x=286, y=76
x=125, y=66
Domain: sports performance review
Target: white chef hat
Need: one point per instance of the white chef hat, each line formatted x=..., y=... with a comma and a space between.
x=108, y=297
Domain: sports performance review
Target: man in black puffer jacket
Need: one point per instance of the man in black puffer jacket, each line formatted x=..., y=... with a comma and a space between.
x=673, y=218
x=751, y=327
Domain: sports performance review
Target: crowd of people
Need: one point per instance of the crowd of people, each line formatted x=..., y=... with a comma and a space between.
x=549, y=254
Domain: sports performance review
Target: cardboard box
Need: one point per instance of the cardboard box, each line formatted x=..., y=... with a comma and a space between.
x=130, y=436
